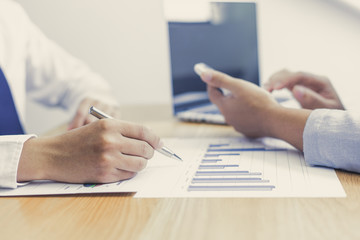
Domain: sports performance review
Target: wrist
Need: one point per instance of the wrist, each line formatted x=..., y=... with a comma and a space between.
x=34, y=163
x=272, y=118
x=287, y=124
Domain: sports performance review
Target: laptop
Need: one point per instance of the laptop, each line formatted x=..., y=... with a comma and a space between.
x=226, y=40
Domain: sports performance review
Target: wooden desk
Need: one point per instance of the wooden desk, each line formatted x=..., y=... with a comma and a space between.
x=119, y=216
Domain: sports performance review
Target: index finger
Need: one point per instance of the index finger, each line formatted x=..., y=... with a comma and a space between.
x=139, y=132
x=81, y=115
x=279, y=80
x=218, y=79
x=287, y=79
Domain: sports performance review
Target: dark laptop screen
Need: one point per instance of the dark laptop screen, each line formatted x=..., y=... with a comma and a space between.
x=228, y=44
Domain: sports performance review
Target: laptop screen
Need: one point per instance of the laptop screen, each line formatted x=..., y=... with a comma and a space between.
x=227, y=42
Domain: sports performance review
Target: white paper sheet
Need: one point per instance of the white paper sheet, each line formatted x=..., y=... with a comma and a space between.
x=254, y=168
x=214, y=167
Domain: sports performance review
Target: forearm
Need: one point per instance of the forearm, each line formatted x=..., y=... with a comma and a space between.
x=288, y=124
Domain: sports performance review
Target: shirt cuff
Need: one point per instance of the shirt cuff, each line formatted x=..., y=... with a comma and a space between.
x=331, y=139
x=312, y=139
x=11, y=147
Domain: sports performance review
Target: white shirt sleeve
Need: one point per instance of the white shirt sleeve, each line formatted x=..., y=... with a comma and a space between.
x=332, y=139
x=10, y=148
x=37, y=68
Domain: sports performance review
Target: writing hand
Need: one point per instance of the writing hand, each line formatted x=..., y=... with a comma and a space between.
x=104, y=151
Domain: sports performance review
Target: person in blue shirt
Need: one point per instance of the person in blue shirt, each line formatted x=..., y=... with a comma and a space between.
x=326, y=133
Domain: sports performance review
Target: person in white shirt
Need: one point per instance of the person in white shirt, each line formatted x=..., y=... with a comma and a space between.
x=326, y=133
x=93, y=150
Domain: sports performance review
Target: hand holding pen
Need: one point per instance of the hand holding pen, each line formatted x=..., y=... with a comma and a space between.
x=163, y=150
x=102, y=151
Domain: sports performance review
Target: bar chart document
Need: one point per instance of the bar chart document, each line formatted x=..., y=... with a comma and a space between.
x=214, y=167
x=238, y=167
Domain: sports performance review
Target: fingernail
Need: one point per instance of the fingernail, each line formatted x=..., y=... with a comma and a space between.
x=206, y=76
x=299, y=92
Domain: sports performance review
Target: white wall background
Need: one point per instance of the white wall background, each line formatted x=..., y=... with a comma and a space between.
x=126, y=42
x=320, y=36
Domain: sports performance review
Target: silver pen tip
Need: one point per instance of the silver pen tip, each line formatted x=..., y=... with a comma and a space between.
x=177, y=157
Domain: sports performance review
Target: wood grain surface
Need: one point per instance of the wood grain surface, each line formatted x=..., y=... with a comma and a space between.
x=120, y=216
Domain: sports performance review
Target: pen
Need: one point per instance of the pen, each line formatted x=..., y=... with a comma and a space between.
x=164, y=150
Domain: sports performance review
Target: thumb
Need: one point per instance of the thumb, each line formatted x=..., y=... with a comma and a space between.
x=308, y=98
x=217, y=79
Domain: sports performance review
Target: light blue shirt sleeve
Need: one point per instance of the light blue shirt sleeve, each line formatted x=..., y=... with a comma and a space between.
x=332, y=139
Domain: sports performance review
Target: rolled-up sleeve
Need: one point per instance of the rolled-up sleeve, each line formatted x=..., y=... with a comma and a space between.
x=10, y=148
x=332, y=139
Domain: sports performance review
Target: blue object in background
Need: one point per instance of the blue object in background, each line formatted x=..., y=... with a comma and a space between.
x=229, y=45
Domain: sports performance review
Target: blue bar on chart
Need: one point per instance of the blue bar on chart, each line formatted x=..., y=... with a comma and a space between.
x=219, y=145
x=215, y=166
x=232, y=188
x=221, y=154
x=211, y=160
x=225, y=173
x=246, y=149
x=229, y=180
